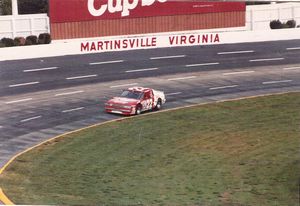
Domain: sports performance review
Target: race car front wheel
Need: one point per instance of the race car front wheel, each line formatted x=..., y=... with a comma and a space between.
x=138, y=110
x=158, y=105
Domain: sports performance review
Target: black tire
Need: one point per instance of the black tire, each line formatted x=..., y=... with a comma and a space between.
x=138, y=109
x=158, y=105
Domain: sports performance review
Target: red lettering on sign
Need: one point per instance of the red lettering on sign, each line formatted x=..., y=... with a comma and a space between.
x=84, y=47
x=183, y=40
x=148, y=42
x=131, y=42
x=117, y=44
x=100, y=44
x=153, y=41
x=192, y=39
x=93, y=47
x=125, y=44
x=204, y=38
x=217, y=38
x=171, y=39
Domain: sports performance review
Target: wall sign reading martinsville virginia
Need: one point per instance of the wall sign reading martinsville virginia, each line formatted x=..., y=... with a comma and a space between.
x=115, y=44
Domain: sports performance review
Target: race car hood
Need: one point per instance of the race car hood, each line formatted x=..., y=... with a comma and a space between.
x=124, y=101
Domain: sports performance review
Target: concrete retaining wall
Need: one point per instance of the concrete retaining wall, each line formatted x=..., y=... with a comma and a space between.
x=159, y=40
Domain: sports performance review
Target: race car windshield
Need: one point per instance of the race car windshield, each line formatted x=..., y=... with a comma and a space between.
x=132, y=94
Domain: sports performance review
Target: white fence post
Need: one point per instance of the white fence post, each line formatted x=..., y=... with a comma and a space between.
x=31, y=26
x=293, y=13
x=13, y=24
x=14, y=5
x=252, y=20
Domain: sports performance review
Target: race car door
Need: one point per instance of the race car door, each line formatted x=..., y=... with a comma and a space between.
x=147, y=100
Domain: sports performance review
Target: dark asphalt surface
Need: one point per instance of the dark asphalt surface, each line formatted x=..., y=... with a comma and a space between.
x=40, y=103
x=12, y=72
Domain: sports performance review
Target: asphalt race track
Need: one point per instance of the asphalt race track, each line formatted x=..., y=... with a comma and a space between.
x=42, y=98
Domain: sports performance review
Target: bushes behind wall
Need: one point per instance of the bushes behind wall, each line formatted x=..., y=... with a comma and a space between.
x=19, y=41
x=43, y=38
x=31, y=40
x=291, y=23
x=7, y=42
x=277, y=24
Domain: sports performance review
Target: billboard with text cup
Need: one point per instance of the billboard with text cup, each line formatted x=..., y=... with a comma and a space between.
x=89, y=10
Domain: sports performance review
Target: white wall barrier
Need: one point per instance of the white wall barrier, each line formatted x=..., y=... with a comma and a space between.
x=117, y=43
x=23, y=25
x=258, y=17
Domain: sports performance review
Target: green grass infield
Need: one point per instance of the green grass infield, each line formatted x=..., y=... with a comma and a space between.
x=242, y=152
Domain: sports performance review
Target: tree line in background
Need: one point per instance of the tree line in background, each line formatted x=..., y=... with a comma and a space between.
x=24, y=7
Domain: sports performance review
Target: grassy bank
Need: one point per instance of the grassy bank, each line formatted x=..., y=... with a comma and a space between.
x=233, y=153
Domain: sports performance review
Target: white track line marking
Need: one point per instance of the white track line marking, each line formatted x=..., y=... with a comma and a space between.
x=182, y=78
x=293, y=48
x=68, y=93
x=236, y=52
x=237, y=73
x=175, y=93
x=277, y=82
x=123, y=85
x=168, y=57
x=1, y=127
x=19, y=100
x=82, y=77
x=264, y=60
x=106, y=62
x=223, y=87
x=41, y=69
x=23, y=84
x=141, y=70
x=203, y=64
x=72, y=110
x=291, y=68
x=31, y=118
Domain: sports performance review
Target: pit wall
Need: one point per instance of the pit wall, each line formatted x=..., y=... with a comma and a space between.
x=149, y=41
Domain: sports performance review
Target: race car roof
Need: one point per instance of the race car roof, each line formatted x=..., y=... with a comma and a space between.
x=139, y=89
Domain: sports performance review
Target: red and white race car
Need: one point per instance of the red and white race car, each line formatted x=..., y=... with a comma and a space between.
x=135, y=100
